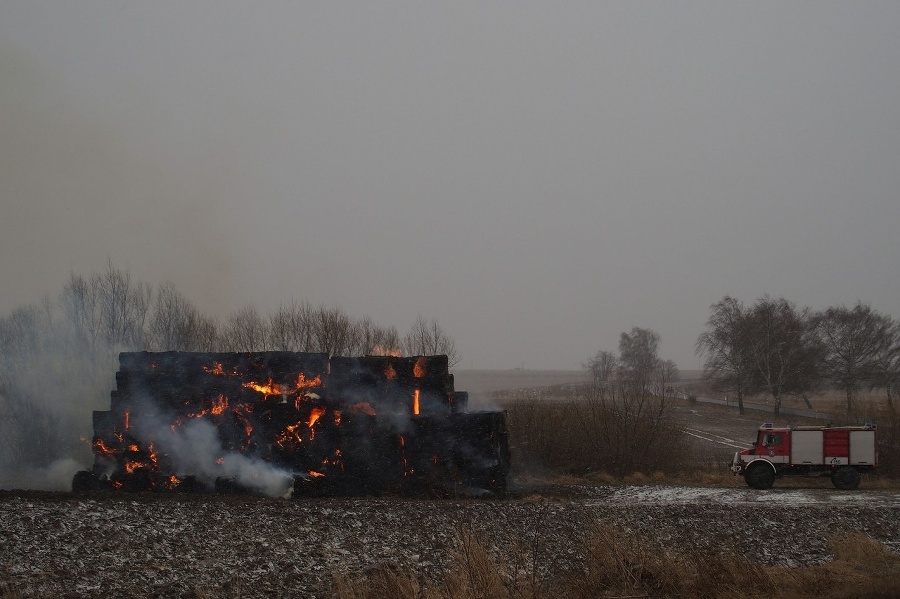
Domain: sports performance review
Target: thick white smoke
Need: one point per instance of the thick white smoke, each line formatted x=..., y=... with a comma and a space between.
x=55, y=477
x=195, y=448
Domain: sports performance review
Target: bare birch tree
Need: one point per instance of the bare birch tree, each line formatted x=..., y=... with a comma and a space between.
x=854, y=340
x=726, y=345
x=782, y=349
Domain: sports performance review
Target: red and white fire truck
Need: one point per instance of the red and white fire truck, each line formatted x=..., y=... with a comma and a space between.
x=841, y=452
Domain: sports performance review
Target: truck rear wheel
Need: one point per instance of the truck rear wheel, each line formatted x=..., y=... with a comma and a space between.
x=760, y=476
x=846, y=478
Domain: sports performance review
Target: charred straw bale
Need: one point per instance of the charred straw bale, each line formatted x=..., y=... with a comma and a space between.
x=266, y=421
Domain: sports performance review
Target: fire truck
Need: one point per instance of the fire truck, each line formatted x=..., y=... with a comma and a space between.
x=841, y=452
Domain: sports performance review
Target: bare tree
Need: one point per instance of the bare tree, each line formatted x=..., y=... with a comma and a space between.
x=638, y=357
x=80, y=306
x=123, y=306
x=726, y=345
x=245, y=331
x=666, y=373
x=387, y=341
x=291, y=327
x=626, y=427
x=332, y=331
x=625, y=419
x=427, y=338
x=854, y=340
x=20, y=338
x=370, y=339
x=602, y=369
x=176, y=324
x=782, y=349
x=207, y=335
x=887, y=365
x=363, y=337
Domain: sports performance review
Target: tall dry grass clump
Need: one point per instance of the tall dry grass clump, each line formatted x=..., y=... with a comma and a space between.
x=383, y=582
x=862, y=568
x=613, y=430
x=617, y=564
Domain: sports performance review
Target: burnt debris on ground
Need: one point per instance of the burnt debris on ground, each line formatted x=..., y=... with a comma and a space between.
x=280, y=423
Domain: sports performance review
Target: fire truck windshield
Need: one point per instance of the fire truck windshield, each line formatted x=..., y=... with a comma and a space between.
x=771, y=440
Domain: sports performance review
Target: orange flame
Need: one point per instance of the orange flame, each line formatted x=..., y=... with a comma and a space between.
x=133, y=447
x=219, y=405
x=216, y=369
x=127, y=420
x=419, y=367
x=315, y=474
x=390, y=373
x=416, y=402
x=335, y=461
x=267, y=389
x=315, y=415
x=380, y=350
x=302, y=383
x=151, y=455
x=100, y=447
x=248, y=428
x=273, y=388
x=289, y=434
x=132, y=465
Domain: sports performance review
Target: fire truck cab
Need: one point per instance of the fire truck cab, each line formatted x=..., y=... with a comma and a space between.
x=841, y=452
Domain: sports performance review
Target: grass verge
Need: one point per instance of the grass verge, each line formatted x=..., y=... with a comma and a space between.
x=617, y=564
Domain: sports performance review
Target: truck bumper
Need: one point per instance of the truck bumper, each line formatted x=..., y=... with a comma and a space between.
x=737, y=467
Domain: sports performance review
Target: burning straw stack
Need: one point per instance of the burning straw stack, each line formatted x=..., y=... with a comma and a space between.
x=275, y=422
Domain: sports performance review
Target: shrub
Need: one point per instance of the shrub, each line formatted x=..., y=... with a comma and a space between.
x=617, y=431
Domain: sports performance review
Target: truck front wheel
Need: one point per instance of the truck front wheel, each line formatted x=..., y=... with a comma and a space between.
x=760, y=476
x=846, y=478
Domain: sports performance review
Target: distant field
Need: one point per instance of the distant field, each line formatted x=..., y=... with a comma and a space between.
x=488, y=381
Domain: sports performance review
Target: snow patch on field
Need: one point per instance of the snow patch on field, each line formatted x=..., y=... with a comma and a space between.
x=688, y=495
x=112, y=545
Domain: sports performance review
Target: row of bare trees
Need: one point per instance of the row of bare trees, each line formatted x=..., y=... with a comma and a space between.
x=626, y=416
x=111, y=311
x=775, y=348
x=58, y=357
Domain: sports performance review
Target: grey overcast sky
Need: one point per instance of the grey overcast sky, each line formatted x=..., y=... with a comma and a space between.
x=537, y=176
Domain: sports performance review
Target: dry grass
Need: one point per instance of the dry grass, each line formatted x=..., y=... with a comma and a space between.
x=617, y=564
x=7, y=590
x=589, y=439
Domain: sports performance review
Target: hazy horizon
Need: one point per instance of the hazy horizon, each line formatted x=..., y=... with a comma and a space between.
x=536, y=177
